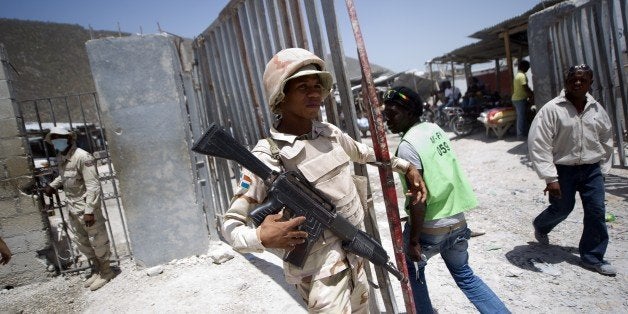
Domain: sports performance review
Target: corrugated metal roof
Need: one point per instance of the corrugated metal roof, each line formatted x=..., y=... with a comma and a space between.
x=514, y=22
x=491, y=46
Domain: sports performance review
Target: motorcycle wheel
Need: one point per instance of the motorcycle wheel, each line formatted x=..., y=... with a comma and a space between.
x=427, y=116
x=460, y=126
x=440, y=119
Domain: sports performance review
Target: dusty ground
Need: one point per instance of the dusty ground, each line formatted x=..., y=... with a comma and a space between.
x=528, y=277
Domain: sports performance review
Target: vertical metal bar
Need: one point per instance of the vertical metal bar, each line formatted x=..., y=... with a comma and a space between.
x=285, y=24
x=64, y=225
x=259, y=24
x=342, y=81
x=260, y=56
x=85, y=126
x=52, y=112
x=228, y=102
x=274, y=26
x=247, y=44
x=202, y=172
x=245, y=102
x=511, y=69
x=318, y=45
x=218, y=163
x=238, y=116
x=298, y=29
x=67, y=108
x=42, y=204
x=381, y=152
x=620, y=92
x=242, y=93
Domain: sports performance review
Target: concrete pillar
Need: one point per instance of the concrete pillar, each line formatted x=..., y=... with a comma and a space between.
x=21, y=222
x=138, y=80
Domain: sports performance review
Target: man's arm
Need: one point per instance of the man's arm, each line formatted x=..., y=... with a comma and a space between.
x=274, y=232
x=527, y=89
x=606, y=139
x=87, y=166
x=5, y=253
x=540, y=145
x=416, y=209
x=417, y=217
x=362, y=153
x=53, y=186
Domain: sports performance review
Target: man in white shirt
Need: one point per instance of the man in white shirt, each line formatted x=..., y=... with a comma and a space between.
x=571, y=148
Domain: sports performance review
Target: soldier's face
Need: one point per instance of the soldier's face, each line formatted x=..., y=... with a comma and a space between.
x=303, y=97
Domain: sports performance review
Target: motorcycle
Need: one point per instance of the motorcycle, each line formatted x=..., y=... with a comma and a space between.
x=467, y=120
x=445, y=115
x=428, y=113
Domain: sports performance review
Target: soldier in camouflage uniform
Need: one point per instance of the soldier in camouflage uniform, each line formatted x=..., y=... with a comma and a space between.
x=332, y=280
x=79, y=180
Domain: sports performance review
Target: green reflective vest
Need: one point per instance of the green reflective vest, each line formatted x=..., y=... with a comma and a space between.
x=449, y=191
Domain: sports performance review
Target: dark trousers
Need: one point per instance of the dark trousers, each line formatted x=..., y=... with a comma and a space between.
x=589, y=182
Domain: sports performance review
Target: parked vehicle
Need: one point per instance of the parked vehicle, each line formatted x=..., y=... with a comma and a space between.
x=466, y=120
x=428, y=113
x=445, y=115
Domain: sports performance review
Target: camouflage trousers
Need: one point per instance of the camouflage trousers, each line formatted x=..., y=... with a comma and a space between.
x=92, y=241
x=344, y=292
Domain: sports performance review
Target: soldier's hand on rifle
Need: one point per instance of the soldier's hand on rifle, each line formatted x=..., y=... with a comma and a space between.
x=416, y=185
x=89, y=219
x=274, y=232
x=48, y=190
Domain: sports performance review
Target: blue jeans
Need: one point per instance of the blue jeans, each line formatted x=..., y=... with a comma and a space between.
x=453, y=249
x=589, y=182
x=521, y=106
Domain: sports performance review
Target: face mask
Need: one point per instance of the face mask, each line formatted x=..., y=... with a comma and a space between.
x=60, y=144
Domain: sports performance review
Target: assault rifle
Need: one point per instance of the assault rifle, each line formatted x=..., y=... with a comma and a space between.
x=291, y=192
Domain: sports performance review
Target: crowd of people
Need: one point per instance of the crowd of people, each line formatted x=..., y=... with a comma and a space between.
x=478, y=98
x=437, y=191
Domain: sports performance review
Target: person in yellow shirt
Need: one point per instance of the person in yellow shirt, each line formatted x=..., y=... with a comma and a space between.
x=521, y=94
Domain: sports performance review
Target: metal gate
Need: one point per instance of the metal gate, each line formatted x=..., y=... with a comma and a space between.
x=81, y=114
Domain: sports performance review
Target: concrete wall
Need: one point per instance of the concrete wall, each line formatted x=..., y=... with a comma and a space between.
x=142, y=99
x=21, y=222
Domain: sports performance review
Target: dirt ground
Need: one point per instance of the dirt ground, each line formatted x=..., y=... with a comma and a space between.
x=528, y=277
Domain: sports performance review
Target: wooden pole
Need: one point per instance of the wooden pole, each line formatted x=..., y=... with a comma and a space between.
x=382, y=154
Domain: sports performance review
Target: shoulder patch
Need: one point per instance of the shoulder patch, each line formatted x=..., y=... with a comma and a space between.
x=245, y=182
x=89, y=163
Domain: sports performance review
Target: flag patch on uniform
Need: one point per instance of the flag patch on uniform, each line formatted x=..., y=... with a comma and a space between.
x=245, y=183
x=89, y=163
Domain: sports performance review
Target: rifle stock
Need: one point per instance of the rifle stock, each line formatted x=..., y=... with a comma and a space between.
x=293, y=193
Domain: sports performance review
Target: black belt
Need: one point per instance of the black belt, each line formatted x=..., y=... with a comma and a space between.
x=444, y=230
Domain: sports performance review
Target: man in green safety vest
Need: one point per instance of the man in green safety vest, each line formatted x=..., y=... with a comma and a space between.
x=438, y=225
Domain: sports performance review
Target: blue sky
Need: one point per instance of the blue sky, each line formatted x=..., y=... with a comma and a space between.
x=398, y=34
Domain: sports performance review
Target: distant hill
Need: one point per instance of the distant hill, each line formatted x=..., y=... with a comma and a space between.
x=49, y=59
x=354, y=72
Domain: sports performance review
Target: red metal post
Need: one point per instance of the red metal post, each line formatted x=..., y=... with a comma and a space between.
x=380, y=147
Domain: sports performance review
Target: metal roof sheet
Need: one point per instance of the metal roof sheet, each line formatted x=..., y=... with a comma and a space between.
x=491, y=46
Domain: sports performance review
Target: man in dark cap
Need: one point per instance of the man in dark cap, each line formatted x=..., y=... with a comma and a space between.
x=438, y=225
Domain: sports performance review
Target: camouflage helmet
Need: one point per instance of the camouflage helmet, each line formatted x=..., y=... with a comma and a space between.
x=59, y=130
x=288, y=64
